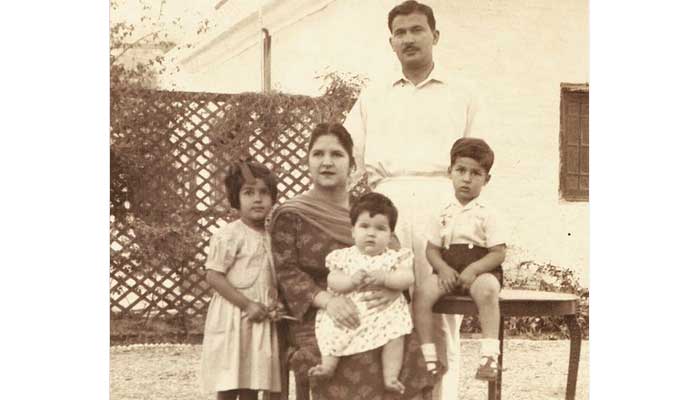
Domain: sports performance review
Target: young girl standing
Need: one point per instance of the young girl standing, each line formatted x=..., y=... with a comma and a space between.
x=240, y=348
x=368, y=264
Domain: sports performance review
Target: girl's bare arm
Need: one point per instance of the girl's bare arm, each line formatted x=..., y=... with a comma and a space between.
x=256, y=311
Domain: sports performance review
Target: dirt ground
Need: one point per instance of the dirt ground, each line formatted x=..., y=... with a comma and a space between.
x=535, y=370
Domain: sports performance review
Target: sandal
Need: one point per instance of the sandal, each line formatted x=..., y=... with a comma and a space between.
x=488, y=369
x=435, y=369
x=432, y=367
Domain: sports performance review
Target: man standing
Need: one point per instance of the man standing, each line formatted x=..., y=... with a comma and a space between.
x=403, y=130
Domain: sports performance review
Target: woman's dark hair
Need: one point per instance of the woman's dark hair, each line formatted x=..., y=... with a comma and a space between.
x=410, y=7
x=339, y=132
x=374, y=203
x=234, y=181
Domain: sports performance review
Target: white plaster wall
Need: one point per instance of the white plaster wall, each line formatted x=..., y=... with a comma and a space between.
x=517, y=52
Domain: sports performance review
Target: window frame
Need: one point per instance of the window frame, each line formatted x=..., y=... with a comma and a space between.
x=566, y=194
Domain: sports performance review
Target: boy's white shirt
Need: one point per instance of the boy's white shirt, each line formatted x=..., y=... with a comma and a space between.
x=473, y=223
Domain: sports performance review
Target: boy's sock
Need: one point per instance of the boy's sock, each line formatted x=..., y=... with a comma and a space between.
x=489, y=347
x=429, y=352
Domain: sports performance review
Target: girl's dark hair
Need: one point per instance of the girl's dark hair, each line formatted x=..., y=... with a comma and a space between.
x=374, y=203
x=410, y=7
x=339, y=132
x=476, y=149
x=234, y=181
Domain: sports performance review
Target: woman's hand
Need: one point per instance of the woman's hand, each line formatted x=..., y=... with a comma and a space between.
x=380, y=297
x=255, y=311
x=343, y=312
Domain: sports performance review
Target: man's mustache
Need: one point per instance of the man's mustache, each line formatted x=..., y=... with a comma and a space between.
x=409, y=48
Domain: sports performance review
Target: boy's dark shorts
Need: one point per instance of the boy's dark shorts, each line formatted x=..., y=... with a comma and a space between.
x=458, y=256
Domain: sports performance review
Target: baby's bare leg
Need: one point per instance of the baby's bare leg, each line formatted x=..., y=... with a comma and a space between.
x=326, y=368
x=392, y=359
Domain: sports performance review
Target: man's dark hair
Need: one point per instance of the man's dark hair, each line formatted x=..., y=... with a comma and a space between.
x=410, y=7
x=374, y=203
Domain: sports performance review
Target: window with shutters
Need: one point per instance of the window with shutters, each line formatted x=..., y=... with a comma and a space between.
x=573, y=139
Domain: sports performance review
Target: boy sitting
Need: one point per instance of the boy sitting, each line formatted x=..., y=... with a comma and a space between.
x=466, y=247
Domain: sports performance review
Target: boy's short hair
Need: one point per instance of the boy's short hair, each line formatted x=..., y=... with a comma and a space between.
x=234, y=181
x=476, y=149
x=374, y=203
x=409, y=7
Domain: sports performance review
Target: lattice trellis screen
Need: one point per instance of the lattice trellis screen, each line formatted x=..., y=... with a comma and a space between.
x=174, y=147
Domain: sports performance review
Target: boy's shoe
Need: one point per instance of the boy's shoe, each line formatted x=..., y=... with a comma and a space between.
x=488, y=369
x=435, y=370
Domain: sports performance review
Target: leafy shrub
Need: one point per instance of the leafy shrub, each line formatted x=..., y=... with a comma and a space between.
x=532, y=275
x=153, y=201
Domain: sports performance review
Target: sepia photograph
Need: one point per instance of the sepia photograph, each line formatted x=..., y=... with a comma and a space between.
x=349, y=199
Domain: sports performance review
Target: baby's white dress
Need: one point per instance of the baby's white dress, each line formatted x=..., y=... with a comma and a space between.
x=377, y=326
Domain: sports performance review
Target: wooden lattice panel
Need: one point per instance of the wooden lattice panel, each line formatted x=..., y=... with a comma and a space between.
x=187, y=141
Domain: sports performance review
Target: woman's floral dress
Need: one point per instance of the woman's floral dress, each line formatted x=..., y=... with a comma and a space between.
x=299, y=250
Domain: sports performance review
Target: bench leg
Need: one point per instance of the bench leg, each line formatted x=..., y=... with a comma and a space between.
x=494, y=391
x=574, y=355
x=499, y=378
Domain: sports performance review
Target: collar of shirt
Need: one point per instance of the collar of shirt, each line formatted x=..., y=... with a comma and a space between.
x=436, y=75
x=469, y=206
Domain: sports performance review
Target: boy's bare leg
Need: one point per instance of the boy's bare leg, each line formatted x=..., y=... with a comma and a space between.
x=485, y=291
x=392, y=359
x=425, y=297
x=326, y=368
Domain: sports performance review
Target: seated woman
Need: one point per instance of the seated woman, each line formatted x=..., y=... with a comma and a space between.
x=304, y=230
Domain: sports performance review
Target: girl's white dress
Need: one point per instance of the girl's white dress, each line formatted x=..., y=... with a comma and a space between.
x=236, y=353
x=377, y=326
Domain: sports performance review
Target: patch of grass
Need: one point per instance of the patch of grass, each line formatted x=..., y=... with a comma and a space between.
x=129, y=329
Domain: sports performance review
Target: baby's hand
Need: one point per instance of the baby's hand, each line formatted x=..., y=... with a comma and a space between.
x=376, y=278
x=359, y=279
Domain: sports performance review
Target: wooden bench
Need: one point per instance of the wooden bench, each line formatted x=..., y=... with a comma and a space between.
x=522, y=303
x=513, y=303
